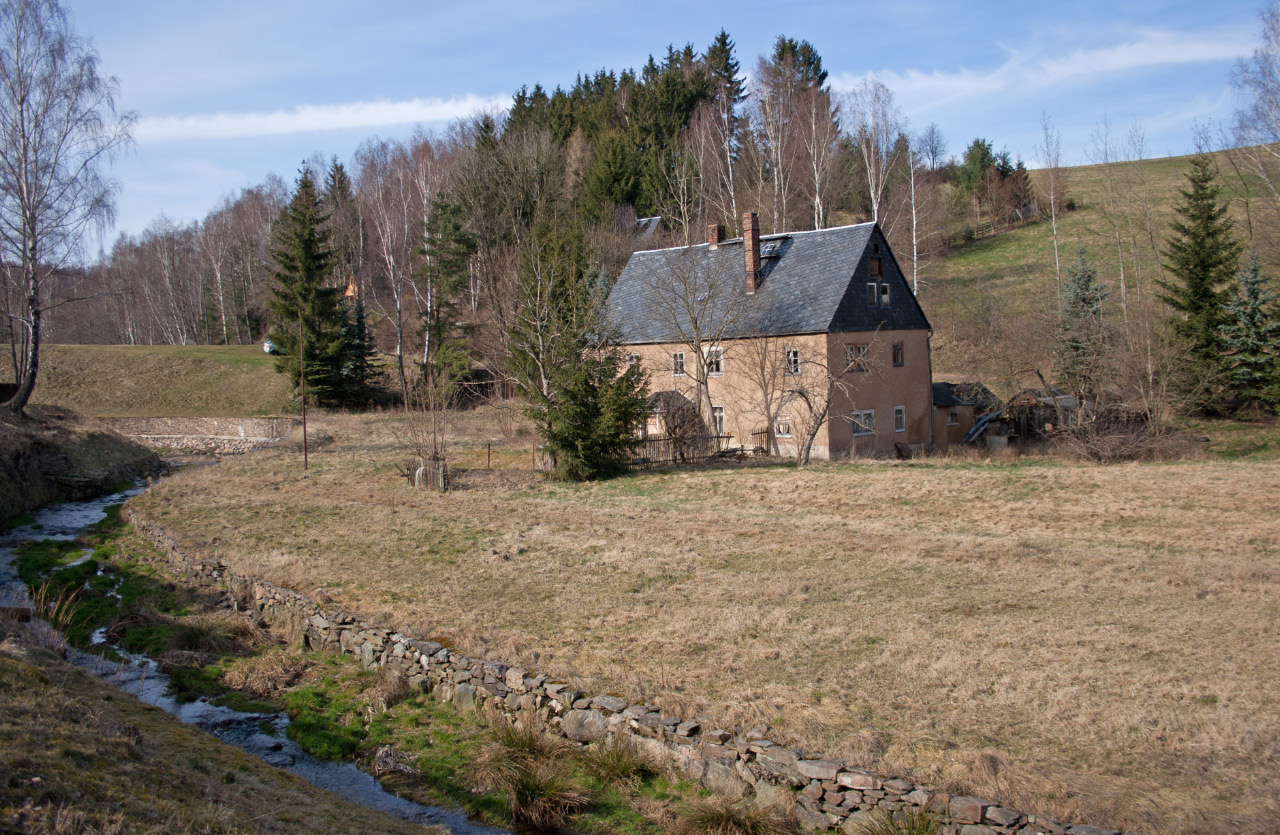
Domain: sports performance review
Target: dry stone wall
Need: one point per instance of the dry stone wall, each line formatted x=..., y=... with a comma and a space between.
x=824, y=794
x=226, y=436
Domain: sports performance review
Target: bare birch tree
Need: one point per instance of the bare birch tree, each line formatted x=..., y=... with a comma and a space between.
x=876, y=126
x=1050, y=154
x=58, y=128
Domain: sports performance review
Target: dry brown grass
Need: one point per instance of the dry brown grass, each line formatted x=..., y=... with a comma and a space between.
x=1095, y=643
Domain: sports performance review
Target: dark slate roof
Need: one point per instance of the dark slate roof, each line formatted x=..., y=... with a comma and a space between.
x=815, y=284
x=947, y=395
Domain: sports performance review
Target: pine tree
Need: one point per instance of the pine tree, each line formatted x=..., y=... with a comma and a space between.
x=1250, y=338
x=1082, y=344
x=301, y=302
x=1202, y=255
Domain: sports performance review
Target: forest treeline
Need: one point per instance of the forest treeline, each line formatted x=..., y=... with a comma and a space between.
x=686, y=139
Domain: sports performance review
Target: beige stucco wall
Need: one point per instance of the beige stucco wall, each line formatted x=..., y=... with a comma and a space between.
x=754, y=382
x=946, y=436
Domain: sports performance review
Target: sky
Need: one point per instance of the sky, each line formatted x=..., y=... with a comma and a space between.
x=228, y=92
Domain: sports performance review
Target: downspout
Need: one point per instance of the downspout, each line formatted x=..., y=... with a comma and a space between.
x=933, y=441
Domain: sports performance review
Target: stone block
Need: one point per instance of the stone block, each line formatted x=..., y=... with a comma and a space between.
x=1001, y=816
x=966, y=809
x=974, y=829
x=919, y=797
x=813, y=791
x=464, y=696
x=583, y=725
x=1081, y=829
x=858, y=780
x=898, y=786
x=1040, y=825
x=768, y=795
x=723, y=779
x=688, y=729
x=818, y=769
x=610, y=703
x=514, y=679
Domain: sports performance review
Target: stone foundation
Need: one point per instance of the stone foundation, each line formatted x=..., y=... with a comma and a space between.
x=823, y=794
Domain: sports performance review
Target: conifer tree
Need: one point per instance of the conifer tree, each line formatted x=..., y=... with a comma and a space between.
x=1082, y=345
x=359, y=378
x=1202, y=254
x=593, y=421
x=1250, y=338
x=301, y=304
x=448, y=247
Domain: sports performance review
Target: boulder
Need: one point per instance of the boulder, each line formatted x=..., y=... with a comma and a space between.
x=584, y=725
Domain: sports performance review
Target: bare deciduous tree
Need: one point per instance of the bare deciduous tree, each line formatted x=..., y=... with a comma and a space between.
x=58, y=128
x=877, y=125
x=1054, y=188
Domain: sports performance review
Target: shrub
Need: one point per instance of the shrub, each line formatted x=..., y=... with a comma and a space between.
x=721, y=816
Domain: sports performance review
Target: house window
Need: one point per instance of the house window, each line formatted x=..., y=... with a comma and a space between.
x=864, y=422
x=793, y=361
x=677, y=363
x=855, y=357
x=884, y=294
x=875, y=267
x=717, y=419
x=899, y=418
x=953, y=418
x=897, y=353
x=715, y=362
x=782, y=427
x=633, y=360
x=873, y=291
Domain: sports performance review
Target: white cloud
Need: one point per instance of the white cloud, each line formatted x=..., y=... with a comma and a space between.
x=1028, y=71
x=308, y=118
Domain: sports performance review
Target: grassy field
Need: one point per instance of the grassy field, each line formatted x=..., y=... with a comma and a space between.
x=162, y=380
x=990, y=300
x=1096, y=643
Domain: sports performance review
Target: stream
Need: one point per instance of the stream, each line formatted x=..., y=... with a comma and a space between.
x=142, y=677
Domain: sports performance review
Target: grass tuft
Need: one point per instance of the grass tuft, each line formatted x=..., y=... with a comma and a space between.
x=901, y=822
x=721, y=816
x=618, y=761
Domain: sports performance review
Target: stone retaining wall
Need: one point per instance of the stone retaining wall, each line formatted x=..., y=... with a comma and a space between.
x=824, y=794
x=227, y=436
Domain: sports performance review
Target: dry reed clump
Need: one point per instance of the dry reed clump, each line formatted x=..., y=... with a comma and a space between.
x=530, y=768
x=264, y=674
x=617, y=761
x=908, y=821
x=721, y=816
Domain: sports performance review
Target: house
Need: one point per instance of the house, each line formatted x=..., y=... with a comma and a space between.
x=956, y=407
x=764, y=330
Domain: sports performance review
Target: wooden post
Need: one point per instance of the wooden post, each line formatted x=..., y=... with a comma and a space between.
x=302, y=376
x=489, y=458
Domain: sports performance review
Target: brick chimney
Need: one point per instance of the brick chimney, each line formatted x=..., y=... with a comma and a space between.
x=751, y=250
x=715, y=234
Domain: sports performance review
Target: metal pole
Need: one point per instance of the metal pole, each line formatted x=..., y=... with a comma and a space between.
x=302, y=375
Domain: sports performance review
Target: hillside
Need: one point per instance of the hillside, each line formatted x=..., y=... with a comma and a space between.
x=990, y=300
x=162, y=380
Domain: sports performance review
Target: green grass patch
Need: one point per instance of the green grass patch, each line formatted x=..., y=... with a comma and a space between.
x=16, y=522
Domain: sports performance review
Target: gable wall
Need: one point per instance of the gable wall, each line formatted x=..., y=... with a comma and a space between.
x=881, y=388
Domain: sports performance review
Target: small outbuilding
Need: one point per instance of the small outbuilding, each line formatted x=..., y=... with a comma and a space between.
x=956, y=407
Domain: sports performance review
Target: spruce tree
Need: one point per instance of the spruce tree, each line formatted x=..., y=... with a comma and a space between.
x=593, y=422
x=1082, y=344
x=448, y=247
x=1202, y=254
x=1250, y=338
x=301, y=302
x=359, y=377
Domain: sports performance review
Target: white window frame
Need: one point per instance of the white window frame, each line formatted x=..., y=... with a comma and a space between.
x=857, y=356
x=884, y=294
x=792, y=367
x=899, y=418
x=717, y=419
x=873, y=293
x=782, y=422
x=864, y=422
x=633, y=360
x=677, y=365
x=714, y=359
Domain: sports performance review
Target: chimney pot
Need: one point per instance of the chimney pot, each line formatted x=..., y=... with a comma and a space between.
x=751, y=250
x=715, y=234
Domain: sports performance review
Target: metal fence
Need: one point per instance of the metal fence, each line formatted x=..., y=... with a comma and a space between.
x=666, y=452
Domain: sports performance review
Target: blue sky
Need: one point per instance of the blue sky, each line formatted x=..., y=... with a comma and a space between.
x=227, y=92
